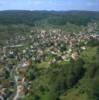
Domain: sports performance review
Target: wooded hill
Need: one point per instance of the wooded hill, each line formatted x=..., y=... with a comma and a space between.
x=48, y=17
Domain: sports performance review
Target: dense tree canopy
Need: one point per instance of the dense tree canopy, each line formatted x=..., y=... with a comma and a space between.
x=51, y=17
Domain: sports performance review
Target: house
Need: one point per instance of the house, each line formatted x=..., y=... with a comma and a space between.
x=74, y=55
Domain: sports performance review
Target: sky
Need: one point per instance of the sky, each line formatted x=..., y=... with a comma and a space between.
x=59, y=5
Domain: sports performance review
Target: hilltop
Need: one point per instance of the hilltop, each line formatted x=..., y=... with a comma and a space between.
x=34, y=18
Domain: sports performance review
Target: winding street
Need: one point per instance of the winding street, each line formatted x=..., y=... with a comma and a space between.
x=18, y=86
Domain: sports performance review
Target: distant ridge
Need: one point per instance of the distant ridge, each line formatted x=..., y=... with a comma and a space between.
x=33, y=18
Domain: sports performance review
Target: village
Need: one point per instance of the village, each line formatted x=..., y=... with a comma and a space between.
x=17, y=56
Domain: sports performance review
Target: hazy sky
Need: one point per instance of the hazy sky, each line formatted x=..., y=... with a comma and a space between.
x=49, y=5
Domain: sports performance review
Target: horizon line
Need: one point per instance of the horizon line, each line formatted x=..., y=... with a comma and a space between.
x=48, y=10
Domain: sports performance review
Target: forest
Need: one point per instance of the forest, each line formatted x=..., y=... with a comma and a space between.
x=48, y=17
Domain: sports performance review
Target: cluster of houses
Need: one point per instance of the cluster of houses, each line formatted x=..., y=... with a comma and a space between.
x=39, y=46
